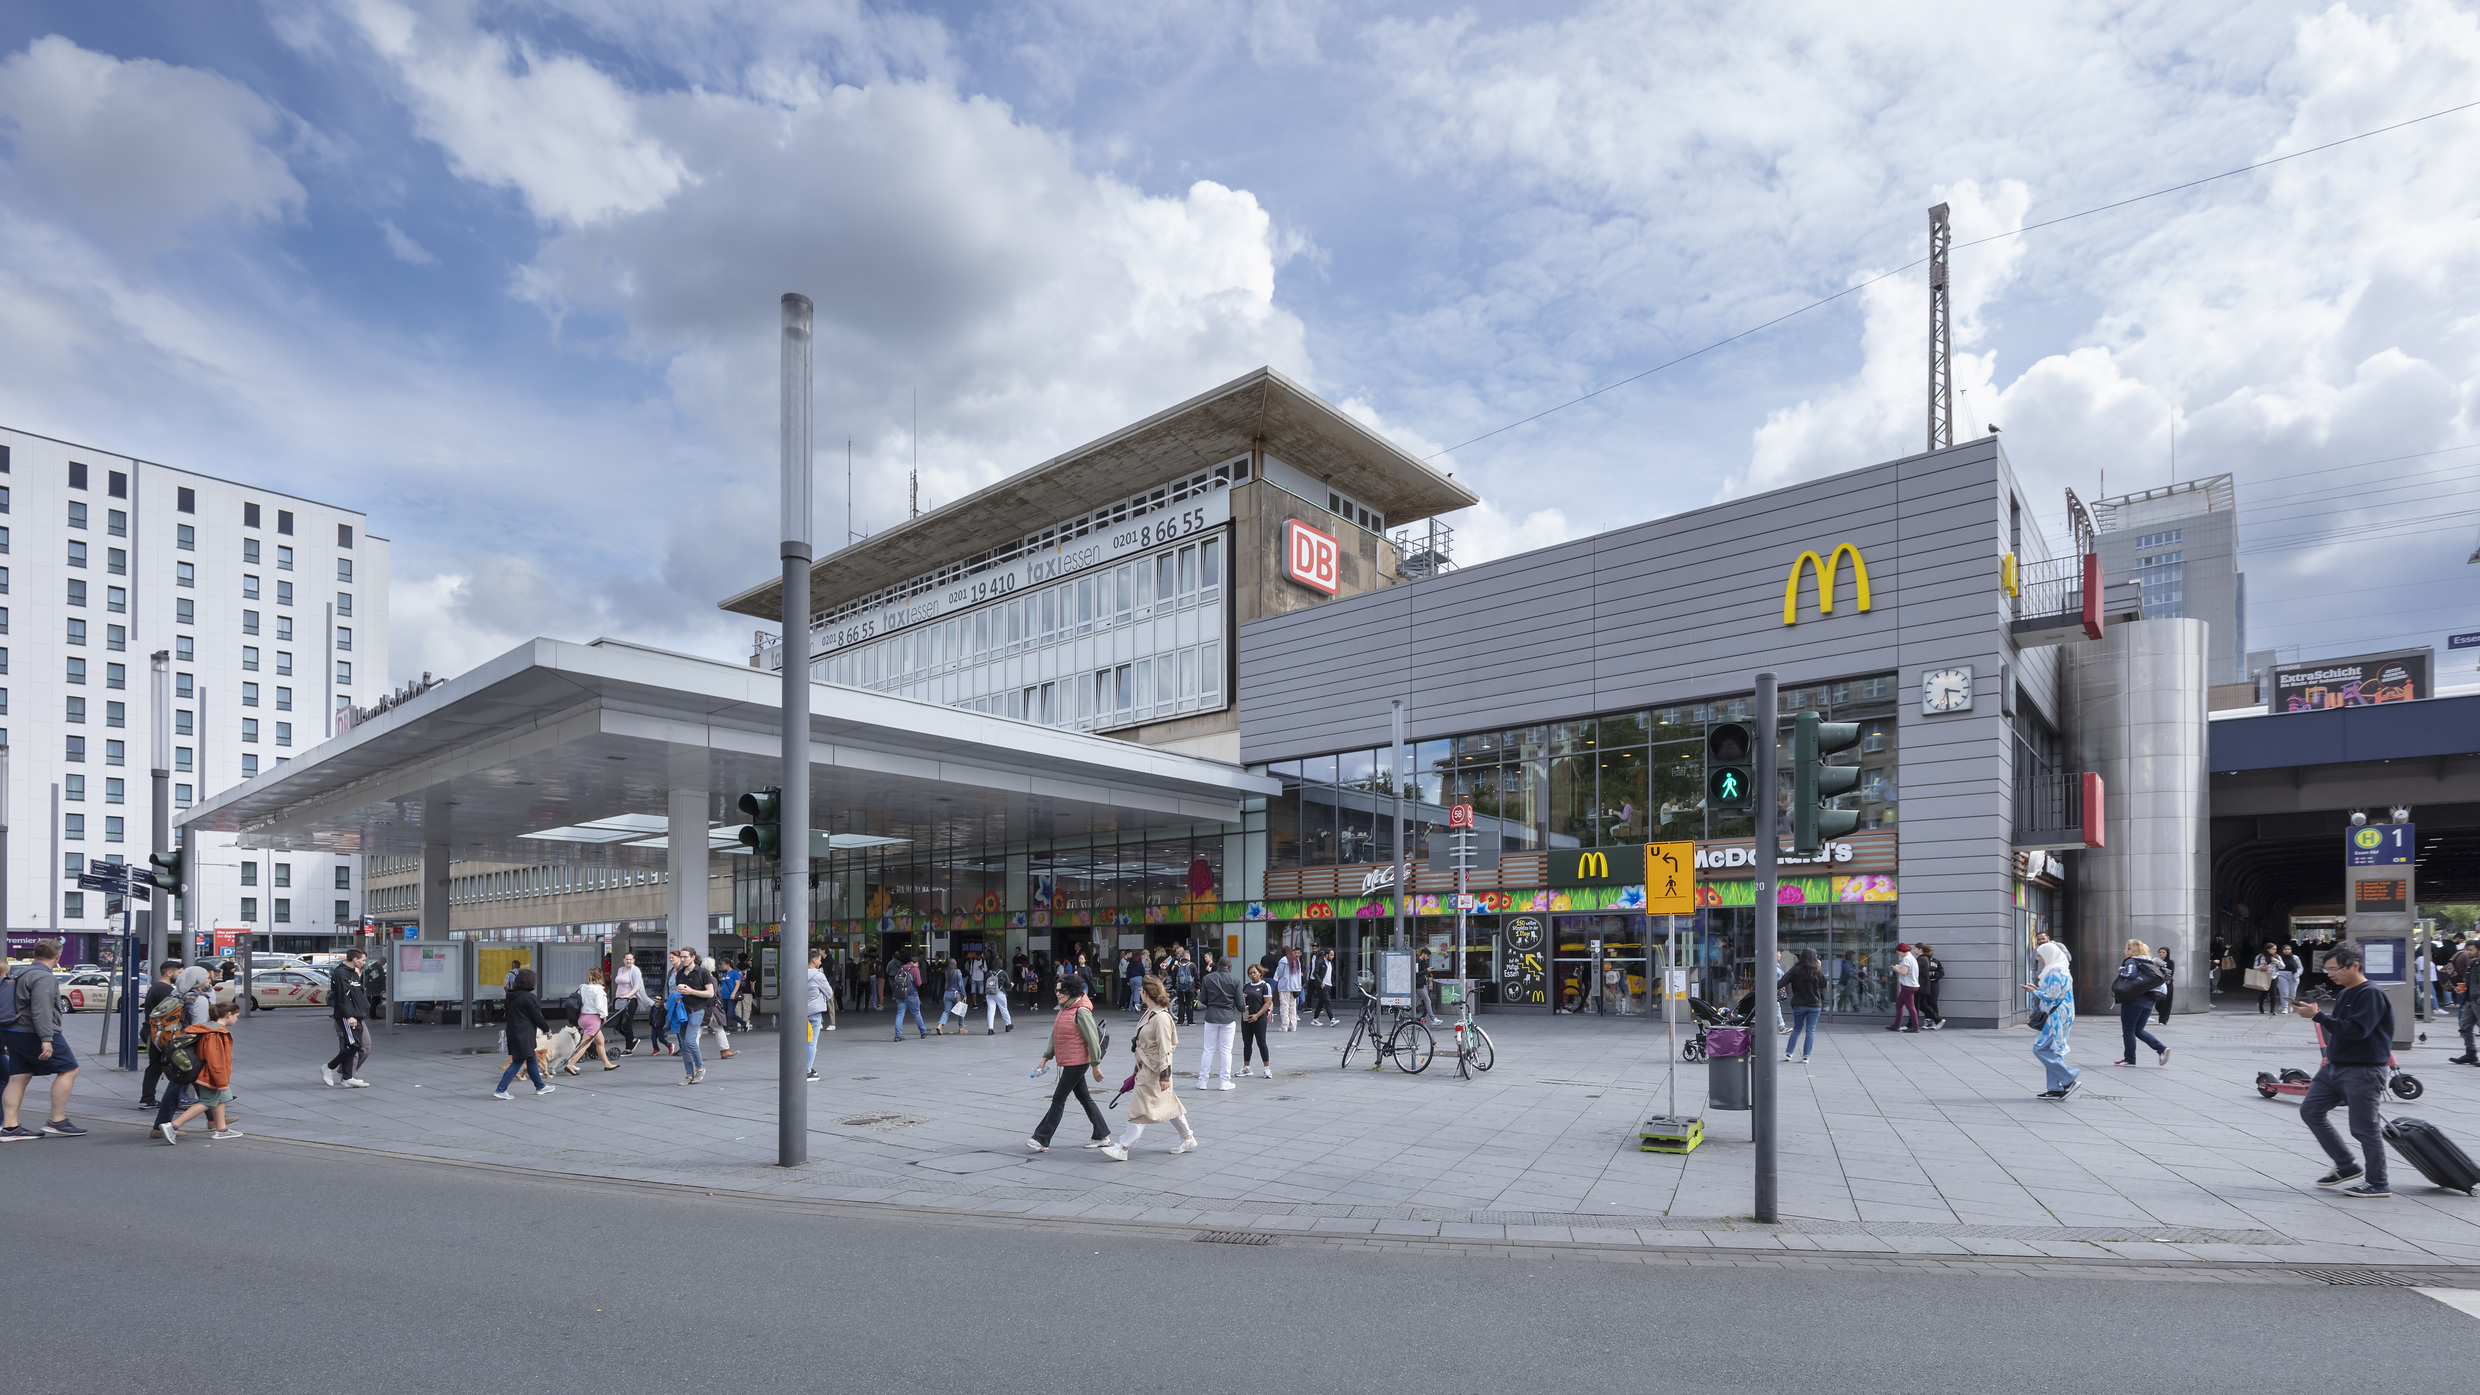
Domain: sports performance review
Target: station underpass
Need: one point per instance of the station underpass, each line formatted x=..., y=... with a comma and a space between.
x=2284, y=787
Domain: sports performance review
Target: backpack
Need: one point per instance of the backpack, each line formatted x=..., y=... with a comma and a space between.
x=181, y=1061
x=9, y=1008
x=166, y=1023
x=575, y=1002
x=1185, y=979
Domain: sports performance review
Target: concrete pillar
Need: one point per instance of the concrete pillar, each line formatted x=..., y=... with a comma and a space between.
x=685, y=861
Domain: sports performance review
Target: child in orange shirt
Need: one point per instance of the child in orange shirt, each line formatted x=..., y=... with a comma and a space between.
x=213, y=1040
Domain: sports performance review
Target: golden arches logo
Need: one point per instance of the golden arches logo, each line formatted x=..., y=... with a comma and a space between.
x=1827, y=571
x=1592, y=864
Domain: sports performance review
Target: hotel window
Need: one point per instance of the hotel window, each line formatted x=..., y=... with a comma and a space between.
x=344, y=912
x=185, y=649
x=284, y=521
x=116, y=638
x=249, y=515
x=284, y=874
x=284, y=733
x=249, y=586
x=344, y=880
x=182, y=722
x=117, y=523
x=181, y=758
x=185, y=611
x=344, y=569
x=116, y=753
x=249, y=658
x=185, y=536
x=249, y=729
x=76, y=754
x=73, y=905
x=249, y=622
x=116, y=484
x=4, y=539
x=249, y=904
x=184, y=685
x=249, y=874
x=116, y=675
x=77, y=591
x=284, y=661
x=284, y=699
x=115, y=791
x=116, y=714
x=344, y=636
x=116, y=599
x=284, y=627
x=249, y=766
x=77, y=710
x=344, y=535
x=77, y=514
x=74, y=788
x=77, y=631
x=116, y=560
x=115, y=829
x=73, y=827
x=249, y=695
x=284, y=593
x=185, y=499
x=283, y=911
x=184, y=573
x=284, y=559
x=77, y=669
x=344, y=602
x=181, y=796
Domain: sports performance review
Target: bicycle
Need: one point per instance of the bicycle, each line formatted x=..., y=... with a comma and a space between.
x=1408, y=1043
x=1473, y=1048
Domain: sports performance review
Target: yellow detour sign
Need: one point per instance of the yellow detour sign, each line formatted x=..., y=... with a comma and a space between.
x=1670, y=878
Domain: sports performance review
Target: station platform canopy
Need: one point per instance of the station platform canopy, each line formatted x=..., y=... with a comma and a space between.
x=558, y=752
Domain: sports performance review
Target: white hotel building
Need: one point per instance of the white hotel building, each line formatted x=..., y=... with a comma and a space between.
x=273, y=613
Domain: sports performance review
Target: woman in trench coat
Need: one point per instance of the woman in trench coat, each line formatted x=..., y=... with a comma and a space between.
x=1154, y=1102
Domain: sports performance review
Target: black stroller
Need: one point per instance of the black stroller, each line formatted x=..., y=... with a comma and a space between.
x=1707, y=1015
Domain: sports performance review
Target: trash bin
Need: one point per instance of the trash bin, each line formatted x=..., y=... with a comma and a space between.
x=1726, y=1068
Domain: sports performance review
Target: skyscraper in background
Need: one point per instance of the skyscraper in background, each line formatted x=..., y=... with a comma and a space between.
x=2181, y=543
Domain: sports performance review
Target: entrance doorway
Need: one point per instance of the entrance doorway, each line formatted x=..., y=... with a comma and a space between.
x=1598, y=965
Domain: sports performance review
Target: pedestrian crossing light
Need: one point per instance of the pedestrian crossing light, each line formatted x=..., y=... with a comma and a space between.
x=1813, y=782
x=167, y=874
x=1728, y=768
x=766, y=821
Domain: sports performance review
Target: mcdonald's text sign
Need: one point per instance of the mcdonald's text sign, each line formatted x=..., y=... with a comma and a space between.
x=1308, y=556
x=1827, y=572
x=1597, y=866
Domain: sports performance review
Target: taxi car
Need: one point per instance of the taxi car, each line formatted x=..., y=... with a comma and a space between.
x=90, y=990
x=275, y=988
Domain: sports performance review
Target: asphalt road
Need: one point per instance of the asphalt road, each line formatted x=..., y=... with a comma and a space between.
x=300, y=1269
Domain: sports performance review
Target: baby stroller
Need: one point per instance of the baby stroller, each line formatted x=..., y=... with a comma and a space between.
x=1707, y=1015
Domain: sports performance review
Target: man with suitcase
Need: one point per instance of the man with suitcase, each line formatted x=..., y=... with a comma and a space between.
x=2359, y=1043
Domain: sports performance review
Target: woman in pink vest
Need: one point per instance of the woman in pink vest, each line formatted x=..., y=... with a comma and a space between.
x=1076, y=1044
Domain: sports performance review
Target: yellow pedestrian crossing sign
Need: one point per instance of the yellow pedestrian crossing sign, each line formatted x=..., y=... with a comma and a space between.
x=1670, y=878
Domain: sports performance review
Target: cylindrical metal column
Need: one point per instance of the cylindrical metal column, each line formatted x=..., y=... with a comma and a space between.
x=1761, y=1030
x=2136, y=715
x=792, y=936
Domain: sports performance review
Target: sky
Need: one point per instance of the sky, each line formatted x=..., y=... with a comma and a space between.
x=505, y=276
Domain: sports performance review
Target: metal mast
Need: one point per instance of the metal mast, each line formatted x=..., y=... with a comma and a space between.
x=1941, y=335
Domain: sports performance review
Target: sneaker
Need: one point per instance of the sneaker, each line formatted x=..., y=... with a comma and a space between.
x=1114, y=1152
x=2339, y=1176
x=1226, y=1085
x=357, y=1083
x=830, y=1026
x=699, y=1078
x=2367, y=1190
x=2072, y=1086
x=64, y=1129
x=1035, y=1145
x=1202, y=1085
x=2051, y=1095
x=170, y=1134
x=813, y=1077
x=1786, y=1060
x=1099, y=1143
x=545, y=1089
x=1187, y=1145
x=2164, y=1058
x=2123, y=1063
x=328, y=1074
x=222, y=1134
x=502, y=1095
x=1803, y=1060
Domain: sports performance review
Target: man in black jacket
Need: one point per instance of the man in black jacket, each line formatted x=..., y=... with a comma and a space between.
x=2359, y=1043
x=348, y=1002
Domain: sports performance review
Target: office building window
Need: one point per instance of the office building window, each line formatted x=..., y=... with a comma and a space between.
x=76, y=754
x=117, y=523
x=185, y=574
x=181, y=758
x=249, y=515
x=284, y=627
x=283, y=908
x=72, y=864
x=116, y=675
x=116, y=599
x=249, y=767
x=116, y=484
x=77, y=514
x=116, y=753
x=77, y=591
x=116, y=714
x=344, y=535
x=185, y=611
x=185, y=499
x=115, y=829
x=344, y=639
x=77, y=710
x=73, y=827
x=249, y=586
x=249, y=657
x=249, y=622
x=344, y=912
x=249, y=729
x=284, y=559
x=181, y=796
x=284, y=521
x=77, y=474
x=284, y=699
x=249, y=551
x=344, y=670
x=284, y=661
x=344, y=568
x=182, y=721
x=344, y=879
x=284, y=733
x=115, y=791
x=116, y=560
x=249, y=904
x=185, y=536
x=73, y=905
x=344, y=599
x=73, y=788
x=185, y=649
x=77, y=631
x=249, y=695
x=77, y=669
x=116, y=638
x=284, y=874
x=284, y=593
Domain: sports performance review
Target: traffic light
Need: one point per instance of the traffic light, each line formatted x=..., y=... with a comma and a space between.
x=166, y=877
x=1813, y=782
x=766, y=821
x=1730, y=768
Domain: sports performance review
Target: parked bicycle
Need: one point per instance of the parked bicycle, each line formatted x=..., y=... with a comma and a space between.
x=1473, y=1048
x=1408, y=1043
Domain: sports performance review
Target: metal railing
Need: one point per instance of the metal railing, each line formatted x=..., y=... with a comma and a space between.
x=2049, y=595
x=2049, y=805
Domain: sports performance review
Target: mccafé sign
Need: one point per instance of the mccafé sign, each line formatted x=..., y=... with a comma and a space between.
x=1309, y=556
x=1827, y=571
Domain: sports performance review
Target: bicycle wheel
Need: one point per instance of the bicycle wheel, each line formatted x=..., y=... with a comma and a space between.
x=1478, y=1050
x=1359, y=1029
x=1412, y=1046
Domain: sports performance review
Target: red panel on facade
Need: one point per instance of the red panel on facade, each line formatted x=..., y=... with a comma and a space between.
x=2092, y=809
x=2092, y=595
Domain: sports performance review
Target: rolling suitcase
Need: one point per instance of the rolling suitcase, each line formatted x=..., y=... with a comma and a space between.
x=2425, y=1146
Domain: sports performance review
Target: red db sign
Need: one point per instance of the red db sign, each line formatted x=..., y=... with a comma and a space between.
x=1308, y=556
x=1459, y=816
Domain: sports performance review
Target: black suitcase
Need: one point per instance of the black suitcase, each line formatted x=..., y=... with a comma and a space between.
x=2425, y=1146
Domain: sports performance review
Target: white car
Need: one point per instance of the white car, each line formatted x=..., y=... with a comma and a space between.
x=275, y=988
x=90, y=990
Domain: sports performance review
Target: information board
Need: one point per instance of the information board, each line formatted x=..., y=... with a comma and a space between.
x=1522, y=976
x=1395, y=978
x=2380, y=845
x=428, y=973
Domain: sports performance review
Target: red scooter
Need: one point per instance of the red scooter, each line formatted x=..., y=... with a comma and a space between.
x=2293, y=1081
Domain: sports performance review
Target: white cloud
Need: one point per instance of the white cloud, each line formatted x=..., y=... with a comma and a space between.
x=141, y=150
x=403, y=248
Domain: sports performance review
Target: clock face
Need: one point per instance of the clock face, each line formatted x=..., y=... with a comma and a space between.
x=1946, y=690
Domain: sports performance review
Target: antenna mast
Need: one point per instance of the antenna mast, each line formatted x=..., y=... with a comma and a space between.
x=1941, y=335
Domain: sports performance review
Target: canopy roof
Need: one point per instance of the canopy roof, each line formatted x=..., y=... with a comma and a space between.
x=572, y=740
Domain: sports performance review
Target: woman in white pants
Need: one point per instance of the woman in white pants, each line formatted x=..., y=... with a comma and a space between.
x=714, y=1019
x=1154, y=1102
x=1287, y=991
x=995, y=988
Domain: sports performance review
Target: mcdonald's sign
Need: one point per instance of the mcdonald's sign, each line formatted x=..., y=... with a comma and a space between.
x=1597, y=866
x=1827, y=571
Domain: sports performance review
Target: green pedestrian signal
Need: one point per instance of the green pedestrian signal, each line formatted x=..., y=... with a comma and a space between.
x=1813, y=782
x=1728, y=767
x=766, y=821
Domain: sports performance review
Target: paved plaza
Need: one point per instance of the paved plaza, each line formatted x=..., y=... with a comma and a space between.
x=1898, y=1144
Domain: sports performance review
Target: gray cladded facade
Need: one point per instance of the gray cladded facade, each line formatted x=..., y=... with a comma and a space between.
x=1685, y=610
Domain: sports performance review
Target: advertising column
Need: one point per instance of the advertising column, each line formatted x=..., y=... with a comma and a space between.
x=2377, y=910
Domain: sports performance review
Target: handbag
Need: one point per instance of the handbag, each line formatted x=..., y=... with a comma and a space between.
x=2038, y=1019
x=2259, y=979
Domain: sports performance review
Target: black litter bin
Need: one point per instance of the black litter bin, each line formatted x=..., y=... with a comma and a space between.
x=1726, y=1068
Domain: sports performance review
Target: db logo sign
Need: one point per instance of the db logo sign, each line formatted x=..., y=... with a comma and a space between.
x=1308, y=556
x=1459, y=816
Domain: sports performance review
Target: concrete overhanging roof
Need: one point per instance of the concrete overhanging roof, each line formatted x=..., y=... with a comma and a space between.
x=1261, y=409
x=553, y=734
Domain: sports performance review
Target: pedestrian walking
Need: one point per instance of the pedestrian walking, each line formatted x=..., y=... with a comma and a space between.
x=2053, y=1013
x=2463, y=978
x=819, y=1004
x=1256, y=1013
x=904, y=990
x=694, y=987
x=663, y=1017
x=1906, y=990
x=1424, y=998
x=2286, y=978
x=995, y=1003
x=1153, y=1101
x=1076, y=1044
x=593, y=1008
x=2139, y=978
x=719, y=1012
x=747, y=1010
x=348, y=1003
x=2169, y=981
x=31, y=1045
x=209, y=1069
x=1932, y=973
x=1184, y=990
x=951, y=1000
x=628, y=993
x=1220, y=995
x=1322, y=988
x=2359, y=1045
x=526, y=1026
x=1807, y=987
x=1287, y=990
x=157, y=993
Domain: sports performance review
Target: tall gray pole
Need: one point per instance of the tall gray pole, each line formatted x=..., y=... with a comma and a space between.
x=4, y=845
x=792, y=939
x=1761, y=1084
x=159, y=777
x=52, y=878
x=1403, y=881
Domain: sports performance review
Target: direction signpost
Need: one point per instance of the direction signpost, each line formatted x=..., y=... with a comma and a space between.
x=113, y=879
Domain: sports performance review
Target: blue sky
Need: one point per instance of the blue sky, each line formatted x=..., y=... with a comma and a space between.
x=504, y=275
